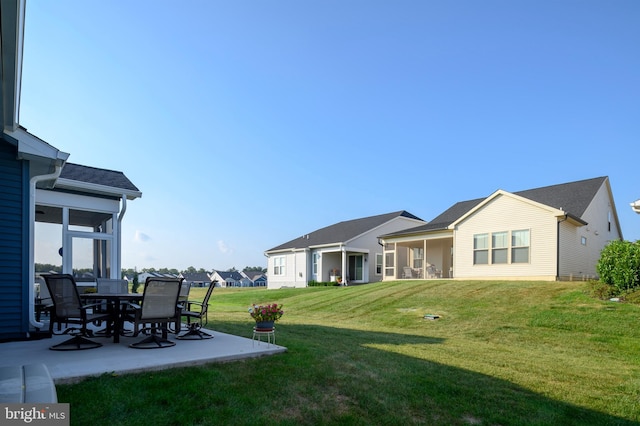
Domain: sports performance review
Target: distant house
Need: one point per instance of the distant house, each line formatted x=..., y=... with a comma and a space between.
x=38, y=187
x=258, y=279
x=231, y=279
x=197, y=279
x=142, y=278
x=348, y=252
x=550, y=233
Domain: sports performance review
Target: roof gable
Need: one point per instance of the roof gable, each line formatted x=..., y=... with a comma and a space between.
x=573, y=198
x=342, y=231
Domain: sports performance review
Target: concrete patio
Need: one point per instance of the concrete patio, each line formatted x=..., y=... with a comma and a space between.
x=119, y=358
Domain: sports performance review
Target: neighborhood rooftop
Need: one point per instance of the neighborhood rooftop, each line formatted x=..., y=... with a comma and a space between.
x=342, y=231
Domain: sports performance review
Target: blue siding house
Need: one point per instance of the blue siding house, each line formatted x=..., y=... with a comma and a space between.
x=38, y=185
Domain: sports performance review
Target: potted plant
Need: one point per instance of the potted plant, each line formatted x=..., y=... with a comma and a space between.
x=333, y=275
x=265, y=315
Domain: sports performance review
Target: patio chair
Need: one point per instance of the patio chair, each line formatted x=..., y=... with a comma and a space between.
x=68, y=309
x=110, y=286
x=407, y=272
x=195, y=312
x=159, y=307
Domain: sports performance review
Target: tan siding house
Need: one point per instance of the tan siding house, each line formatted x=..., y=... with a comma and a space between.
x=548, y=233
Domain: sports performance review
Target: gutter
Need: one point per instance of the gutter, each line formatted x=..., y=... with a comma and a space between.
x=32, y=223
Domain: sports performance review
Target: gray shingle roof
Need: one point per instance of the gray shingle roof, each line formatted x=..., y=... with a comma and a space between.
x=196, y=277
x=342, y=231
x=572, y=197
x=97, y=176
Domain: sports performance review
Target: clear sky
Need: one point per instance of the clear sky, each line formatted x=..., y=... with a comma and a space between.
x=246, y=124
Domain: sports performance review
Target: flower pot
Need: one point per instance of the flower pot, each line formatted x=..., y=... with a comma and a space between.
x=264, y=325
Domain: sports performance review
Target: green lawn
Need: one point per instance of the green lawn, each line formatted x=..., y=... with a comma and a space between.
x=502, y=353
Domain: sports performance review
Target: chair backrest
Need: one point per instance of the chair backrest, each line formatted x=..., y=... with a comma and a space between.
x=160, y=298
x=64, y=294
x=185, y=286
x=112, y=286
x=207, y=296
x=408, y=272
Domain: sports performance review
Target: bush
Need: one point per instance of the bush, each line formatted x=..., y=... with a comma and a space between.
x=619, y=265
x=601, y=290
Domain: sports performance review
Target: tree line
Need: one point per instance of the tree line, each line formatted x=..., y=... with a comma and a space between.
x=130, y=272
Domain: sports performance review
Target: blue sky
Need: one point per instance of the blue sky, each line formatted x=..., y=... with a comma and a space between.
x=248, y=123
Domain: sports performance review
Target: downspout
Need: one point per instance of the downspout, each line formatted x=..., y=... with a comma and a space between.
x=118, y=268
x=558, y=248
x=32, y=224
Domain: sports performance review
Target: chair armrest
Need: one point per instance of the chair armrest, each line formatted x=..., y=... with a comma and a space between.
x=92, y=305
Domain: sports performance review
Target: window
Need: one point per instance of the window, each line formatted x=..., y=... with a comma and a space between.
x=417, y=257
x=583, y=241
x=278, y=265
x=314, y=263
x=520, y=246
x=499, y=247
x=378, y=263
x=481, y=249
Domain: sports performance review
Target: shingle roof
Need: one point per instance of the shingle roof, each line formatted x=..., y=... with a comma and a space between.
x=235, y=275
x=572, y=197
x=196, y=277
x=97, y=176
x=342, y=231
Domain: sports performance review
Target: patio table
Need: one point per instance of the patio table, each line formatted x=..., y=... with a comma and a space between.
x=117, y=307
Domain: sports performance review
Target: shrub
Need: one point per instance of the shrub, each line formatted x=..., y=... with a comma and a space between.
x=601, y=290
x=619, y=265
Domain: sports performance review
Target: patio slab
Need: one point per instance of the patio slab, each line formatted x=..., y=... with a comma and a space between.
x=119, y=358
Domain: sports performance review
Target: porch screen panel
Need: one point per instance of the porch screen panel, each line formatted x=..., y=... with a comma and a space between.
x=389, y=264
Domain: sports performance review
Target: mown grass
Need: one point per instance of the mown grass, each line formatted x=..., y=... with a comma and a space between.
x=502, y=353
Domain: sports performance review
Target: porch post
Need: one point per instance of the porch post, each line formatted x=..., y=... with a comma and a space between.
x=343, y=253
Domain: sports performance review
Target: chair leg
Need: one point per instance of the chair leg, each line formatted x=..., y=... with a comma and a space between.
x=195, y=333
x=154, y=341
x=77, y=343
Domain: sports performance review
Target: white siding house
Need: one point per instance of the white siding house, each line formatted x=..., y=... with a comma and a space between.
x=549, y=233
x=347, y=252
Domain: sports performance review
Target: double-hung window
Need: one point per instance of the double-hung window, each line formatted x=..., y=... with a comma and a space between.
x=481, y=249
x=279, y=265
x=499, y=247
x=378, y=263
x=520, y=246
x=502, y=248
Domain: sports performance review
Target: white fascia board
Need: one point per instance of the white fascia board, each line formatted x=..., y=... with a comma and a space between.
x=419, y=236
x=95, y=188
x=76, y=201
x=31, y=147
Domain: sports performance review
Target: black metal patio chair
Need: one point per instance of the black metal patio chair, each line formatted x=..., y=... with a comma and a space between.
x=68, y=309
x=196, y=312
x=158, y=309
